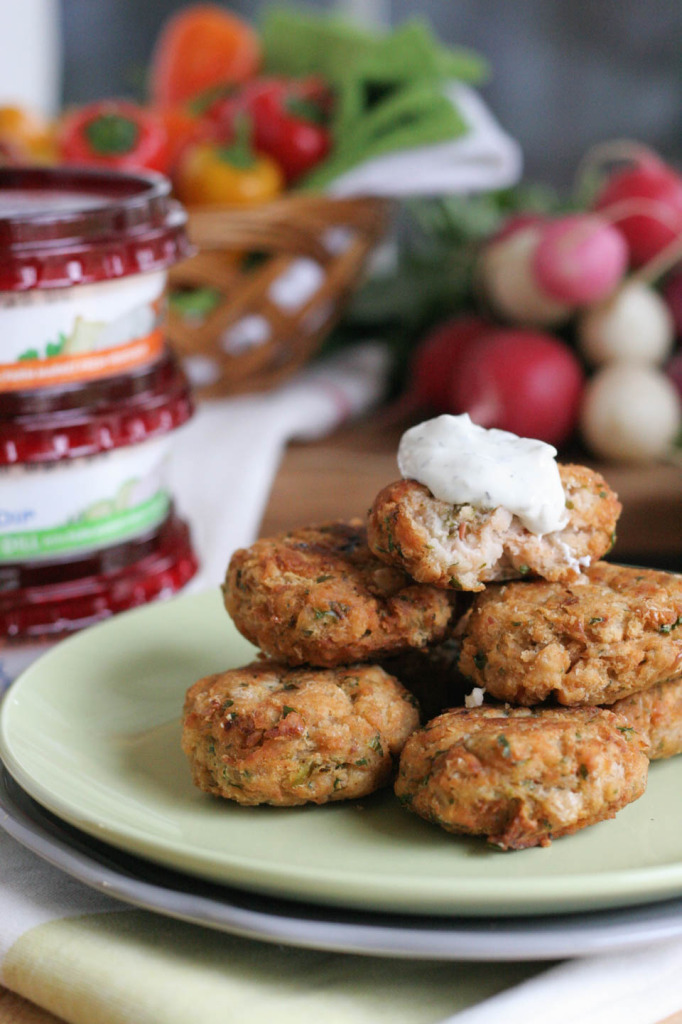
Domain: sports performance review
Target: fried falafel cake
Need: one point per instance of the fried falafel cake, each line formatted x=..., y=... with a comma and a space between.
x=463, y=547
x=267, y=734
x=319, y=596
x=615, y=631
x=656, y=714
x=521, y=776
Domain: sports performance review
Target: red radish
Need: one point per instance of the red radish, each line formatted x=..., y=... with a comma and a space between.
x=506, y=276
x=436, y=358
x=658, y=190
x=579, y=259
x=672, y=293
x=527, y=382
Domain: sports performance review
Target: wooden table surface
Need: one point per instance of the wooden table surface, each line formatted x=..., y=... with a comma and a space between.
x=339, y=477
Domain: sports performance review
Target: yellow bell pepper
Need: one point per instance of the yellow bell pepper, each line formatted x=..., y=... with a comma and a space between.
x=212, y=173
x=27, y=136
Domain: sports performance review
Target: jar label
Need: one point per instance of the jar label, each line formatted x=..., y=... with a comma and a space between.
x=66, y=335
x=36, y=373
x=73, y=505
x=101, y=532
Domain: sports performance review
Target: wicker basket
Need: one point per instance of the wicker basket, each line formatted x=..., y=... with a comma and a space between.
x=280, y=275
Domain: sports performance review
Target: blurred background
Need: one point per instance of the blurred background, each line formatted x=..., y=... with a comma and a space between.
x=565, y=73
x=390, y=216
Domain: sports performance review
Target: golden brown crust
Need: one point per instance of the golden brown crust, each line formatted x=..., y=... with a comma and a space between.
x=319, y=596
x=656, y=714
x=519, y=776
x=612, y=633
x=461, y=547
x=266, y=734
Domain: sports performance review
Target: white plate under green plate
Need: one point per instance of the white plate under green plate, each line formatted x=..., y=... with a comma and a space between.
x=92, y=731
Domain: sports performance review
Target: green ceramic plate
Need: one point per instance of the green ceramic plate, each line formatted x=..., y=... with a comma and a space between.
x=92, y=731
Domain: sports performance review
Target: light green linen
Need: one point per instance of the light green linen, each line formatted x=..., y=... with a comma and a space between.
x=132, y=967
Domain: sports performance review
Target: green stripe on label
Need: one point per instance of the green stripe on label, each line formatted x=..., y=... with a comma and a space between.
x=76, y=536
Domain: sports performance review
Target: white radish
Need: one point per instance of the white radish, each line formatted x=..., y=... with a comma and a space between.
x=634, y=325
x=579, y=259
x=508, y=280
x=630, y=413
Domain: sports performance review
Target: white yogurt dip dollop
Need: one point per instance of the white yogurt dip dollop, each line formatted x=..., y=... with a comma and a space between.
x=464, y=464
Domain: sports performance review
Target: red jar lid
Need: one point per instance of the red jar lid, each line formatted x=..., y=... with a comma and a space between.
x=64, y=226
x=46, y=425
x=41, y=602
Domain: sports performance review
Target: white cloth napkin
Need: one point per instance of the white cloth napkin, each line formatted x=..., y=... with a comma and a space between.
x=640, y=987
x=225, y=460
x=485, y=158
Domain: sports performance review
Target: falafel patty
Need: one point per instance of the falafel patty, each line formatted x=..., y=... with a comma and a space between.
x=615, y=631
x=656, y=714
x=266, y=734
x=521, y=776
x=319, y=596
x=462, y=547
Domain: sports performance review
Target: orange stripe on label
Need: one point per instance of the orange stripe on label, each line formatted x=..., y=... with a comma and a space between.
x=42, y=373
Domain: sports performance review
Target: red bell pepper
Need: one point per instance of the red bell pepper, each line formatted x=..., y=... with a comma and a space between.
x=288, y=117
x=116, y=134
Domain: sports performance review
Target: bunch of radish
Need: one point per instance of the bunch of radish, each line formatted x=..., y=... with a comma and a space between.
x=605, y=277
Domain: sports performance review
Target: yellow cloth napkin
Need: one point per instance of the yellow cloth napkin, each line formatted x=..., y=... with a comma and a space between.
x=133, y=966
x=89, y=960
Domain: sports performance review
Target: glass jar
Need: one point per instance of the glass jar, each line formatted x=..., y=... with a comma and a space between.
x=42, y=603
x=84, y=467
x=84, y=256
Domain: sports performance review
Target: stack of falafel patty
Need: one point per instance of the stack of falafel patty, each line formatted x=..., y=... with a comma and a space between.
x=575, y=666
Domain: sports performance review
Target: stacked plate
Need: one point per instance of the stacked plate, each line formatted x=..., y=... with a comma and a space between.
x=90, y=399
x=106, y=795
